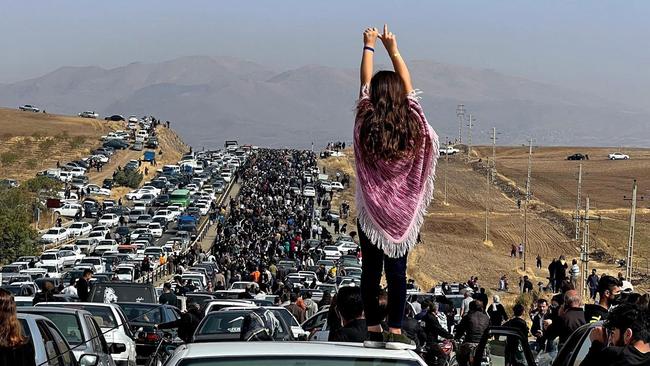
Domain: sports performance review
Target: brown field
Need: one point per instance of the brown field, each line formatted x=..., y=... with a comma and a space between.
x=453, y=247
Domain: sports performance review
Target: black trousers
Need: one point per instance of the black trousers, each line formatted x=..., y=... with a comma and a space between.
x=374, y=263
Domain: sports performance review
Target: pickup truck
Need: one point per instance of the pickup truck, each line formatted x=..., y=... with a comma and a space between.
x=449, y=150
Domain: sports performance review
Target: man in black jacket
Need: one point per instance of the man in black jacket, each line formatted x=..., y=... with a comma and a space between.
x=349, y=306
x=187, y=323
x=629, y=326
x=609, y=290
x=537, y=329
x=83, y=285
x=433, y=330
x=472, y=326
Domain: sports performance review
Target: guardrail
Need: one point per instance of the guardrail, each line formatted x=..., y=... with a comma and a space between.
x=161, y=272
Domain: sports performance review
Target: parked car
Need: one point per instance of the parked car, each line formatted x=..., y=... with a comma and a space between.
x=109, y=220
x=116, y=144
x=89, y=114
x=29, y=108
x=449, y=150
x=80, y=228
x=69, y=258
x=55, y=235
x=618, y=156
x=50, y=347
x=577, y=156
x=137, y=146
x=143, y=316
x=113, y=324
x=115, y=118
x=69, y=210
x=81, y=331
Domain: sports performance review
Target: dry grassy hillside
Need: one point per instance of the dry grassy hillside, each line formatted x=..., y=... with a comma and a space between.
x=31, y=142
x=453, y=246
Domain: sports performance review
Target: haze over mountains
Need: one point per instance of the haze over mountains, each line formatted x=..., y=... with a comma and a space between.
x=209, y=100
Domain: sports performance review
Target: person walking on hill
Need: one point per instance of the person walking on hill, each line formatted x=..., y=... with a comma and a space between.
x=396, y=153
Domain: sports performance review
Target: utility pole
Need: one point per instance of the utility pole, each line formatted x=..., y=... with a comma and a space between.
x=470, y=123
x=460, y=116
x=494, y=152
x=630, y=240
x=578, y=204
x=585, y=249
x=530, y=156
x=446, y=172
x=487, y=206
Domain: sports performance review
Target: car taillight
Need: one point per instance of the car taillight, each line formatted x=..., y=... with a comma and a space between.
x=149, y=336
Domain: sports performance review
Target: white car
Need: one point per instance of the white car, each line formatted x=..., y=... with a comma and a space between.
x=69, y=258
x=449, y=150
x=29, y=108
x=331, y=252
x=109, y=220
x=138, y=193
x=192, y=187
x=77, y=171
x=309, y=192
x=72, y=247
x=95, y=262
x=89, y=114
x=97, y=235
x=55, y=235
x=204, y=208
x=153, y=190
x=51, y=259
x=155, y=229
x=80, y=228
x=100, y=158
x=167, y=214
x=345, y=247
x=327, y=186
x=113, y=324
x=53, y=271
x=176, y=211
x=618, y=156
x=69, y=210
x=125, y=272
x=139, y=231
x=97, y=190
x=337, y=186
x=227, y=176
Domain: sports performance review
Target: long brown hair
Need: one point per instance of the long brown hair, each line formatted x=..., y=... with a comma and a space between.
x=10, y=328
x=389, y=130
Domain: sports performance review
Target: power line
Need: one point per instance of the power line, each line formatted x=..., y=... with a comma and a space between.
x=460, y=116
x=530, y=157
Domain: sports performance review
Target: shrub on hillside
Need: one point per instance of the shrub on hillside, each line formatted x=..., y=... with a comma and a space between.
x=8, y=158
x=129, y=178
x=77, y=141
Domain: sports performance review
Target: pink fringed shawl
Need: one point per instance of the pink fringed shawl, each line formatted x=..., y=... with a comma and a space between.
x=392, y=196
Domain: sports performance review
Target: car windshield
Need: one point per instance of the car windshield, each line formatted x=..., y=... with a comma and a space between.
x=142, y=313
x=48, y=256
x=286, y=316
x=296, y=361
x=77, y=226
x=49, y=268
x=53, y=231
x=91, y=261
x=331, y=248
x=69, y=326
x=222, y=322
x=103, y=315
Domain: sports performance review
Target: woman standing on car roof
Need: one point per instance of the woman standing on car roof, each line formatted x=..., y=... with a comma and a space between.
x=395, y=154
x=15, y=349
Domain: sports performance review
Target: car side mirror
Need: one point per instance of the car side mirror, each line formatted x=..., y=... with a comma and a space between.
x=88, y=360
x=117, y=348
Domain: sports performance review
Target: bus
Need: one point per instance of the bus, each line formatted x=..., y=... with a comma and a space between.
x=180, y=197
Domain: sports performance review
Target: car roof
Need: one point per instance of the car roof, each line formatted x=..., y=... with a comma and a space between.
x=51, y=309
x=298, y=350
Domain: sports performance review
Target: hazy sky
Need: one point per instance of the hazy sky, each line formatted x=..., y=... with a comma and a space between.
x=591, y=45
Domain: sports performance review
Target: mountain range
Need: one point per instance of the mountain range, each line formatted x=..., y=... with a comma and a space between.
x=209, y=100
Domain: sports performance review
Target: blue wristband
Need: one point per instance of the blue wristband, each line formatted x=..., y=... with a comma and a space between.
x=368, y=48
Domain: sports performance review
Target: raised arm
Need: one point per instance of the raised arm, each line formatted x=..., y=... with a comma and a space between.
x=369, y=38
x=390, y=43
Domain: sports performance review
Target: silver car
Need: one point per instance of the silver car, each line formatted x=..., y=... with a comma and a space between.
x=80, y=330
x=291, y=353
x=50, y=347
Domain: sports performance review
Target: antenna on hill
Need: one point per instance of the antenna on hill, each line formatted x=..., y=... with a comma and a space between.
x=460, y=116
x=491, y=179
x=470, y=124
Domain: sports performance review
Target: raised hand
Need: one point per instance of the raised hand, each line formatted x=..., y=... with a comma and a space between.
x=370, y=37
x=389, y=40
